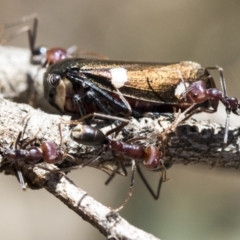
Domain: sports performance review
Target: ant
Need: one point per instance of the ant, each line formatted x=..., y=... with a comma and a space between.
x=124, y=152
x=198, y=94
x=49, y=152
x=43, y=56
x=127, y=153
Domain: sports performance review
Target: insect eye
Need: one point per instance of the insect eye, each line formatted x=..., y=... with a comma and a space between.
x=39, y=51
x=54, y=79
x=38, y=55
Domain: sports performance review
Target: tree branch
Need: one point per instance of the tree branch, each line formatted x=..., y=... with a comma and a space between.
x=194, y=142
x=44, y=127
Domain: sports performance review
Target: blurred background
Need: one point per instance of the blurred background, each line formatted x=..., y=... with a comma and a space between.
x=198, y=203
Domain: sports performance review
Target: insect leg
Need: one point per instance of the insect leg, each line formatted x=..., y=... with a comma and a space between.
x=154, y=195
x=85, y=82
x=222, y=79
x=32, y=34
x=95, y=98
x=133, y=170
x=78, y=102
x=20, y=176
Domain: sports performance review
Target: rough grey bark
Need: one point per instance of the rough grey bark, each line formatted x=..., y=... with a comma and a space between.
x=194, y=142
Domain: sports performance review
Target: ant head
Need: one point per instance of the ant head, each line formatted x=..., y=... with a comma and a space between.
x=153, y=158
x=51, y=152
x=38, y=55
x=231, y=104
x=55, y=55
x=47, y=57
x=195, y=93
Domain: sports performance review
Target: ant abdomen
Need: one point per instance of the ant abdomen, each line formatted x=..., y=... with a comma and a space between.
x=88, y=135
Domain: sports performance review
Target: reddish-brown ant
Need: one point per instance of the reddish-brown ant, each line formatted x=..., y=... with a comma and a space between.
x=151, y=157
x=41, y=55
x=48, y=152
x=198, y=94
x=123, y=152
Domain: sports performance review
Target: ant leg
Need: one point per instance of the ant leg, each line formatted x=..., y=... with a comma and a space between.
x=110, y=178
x=32, y=37
x=28, y=143
x=20, y=21
x=18, y=139
x=104, y=116
x=196, y=110
x=107, y=171
x=222, y=79
x=76, y=167
x=154, y=195
x=123, y=124
x=181, y=117
x=93, y=115
x=126, y=103
x=117, y=129
x=31, y=34
x=113, y=174
x=225, y=140
x=20, y=176
x=19, y=32
x=133, y=170
x=182, y=80
x=92, y=159
x=23, y=146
